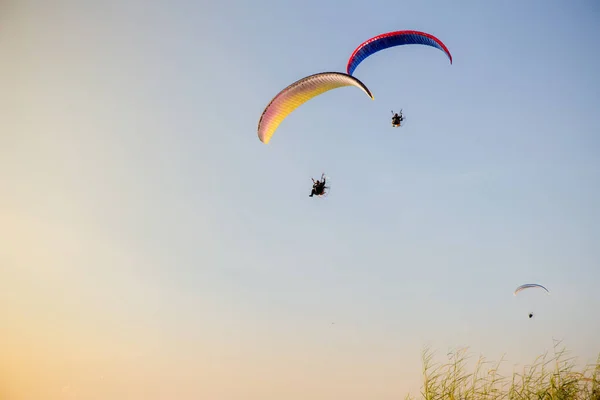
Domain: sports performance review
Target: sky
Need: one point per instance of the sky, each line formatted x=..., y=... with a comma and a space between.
x=151, y=247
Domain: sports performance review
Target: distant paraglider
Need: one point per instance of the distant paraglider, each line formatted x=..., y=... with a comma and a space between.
x=299, y=93
x=529, y=286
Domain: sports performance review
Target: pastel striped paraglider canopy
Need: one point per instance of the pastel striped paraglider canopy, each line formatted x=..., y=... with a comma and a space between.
x=298, y=93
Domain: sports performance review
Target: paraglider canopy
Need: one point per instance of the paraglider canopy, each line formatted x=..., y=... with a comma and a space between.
x=392, y=39
x=299, y=93
x=529, y=286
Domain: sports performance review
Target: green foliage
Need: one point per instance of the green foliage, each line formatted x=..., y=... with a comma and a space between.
x=549, y=377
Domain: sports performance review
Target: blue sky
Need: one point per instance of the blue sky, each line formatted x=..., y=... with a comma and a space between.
x=147, y=218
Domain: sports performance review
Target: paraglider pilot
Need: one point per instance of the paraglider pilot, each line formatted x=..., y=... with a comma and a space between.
x=318, y=187
x=397, y=119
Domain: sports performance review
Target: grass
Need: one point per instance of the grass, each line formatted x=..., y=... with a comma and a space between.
x=549, y=377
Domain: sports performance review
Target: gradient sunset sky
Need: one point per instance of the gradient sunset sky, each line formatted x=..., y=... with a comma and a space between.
x=151, y=247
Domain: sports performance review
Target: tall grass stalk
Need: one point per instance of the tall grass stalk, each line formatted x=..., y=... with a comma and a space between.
x=549, y=377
